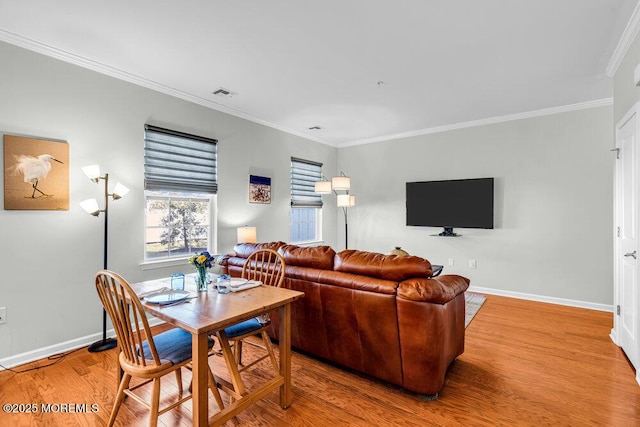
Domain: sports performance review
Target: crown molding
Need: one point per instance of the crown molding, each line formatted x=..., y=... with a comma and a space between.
x=483, y=122
x=628, y=36
x=36, y=46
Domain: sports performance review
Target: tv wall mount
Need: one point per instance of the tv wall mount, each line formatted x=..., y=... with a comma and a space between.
x=447, y=232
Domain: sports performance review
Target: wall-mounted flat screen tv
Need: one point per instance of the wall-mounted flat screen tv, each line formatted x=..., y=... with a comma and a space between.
x=456, y=203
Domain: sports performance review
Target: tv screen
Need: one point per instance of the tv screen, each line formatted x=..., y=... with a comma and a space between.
x=464, y=203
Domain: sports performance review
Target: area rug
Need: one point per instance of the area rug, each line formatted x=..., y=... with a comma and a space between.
x=473, y=302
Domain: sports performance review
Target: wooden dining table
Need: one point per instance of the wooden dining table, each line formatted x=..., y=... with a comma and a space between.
x=208, y=313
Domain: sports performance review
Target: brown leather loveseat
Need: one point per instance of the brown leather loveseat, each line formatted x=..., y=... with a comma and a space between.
x=381, y=315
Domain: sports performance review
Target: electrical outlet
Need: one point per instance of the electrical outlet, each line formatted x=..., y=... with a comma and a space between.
x=451, y=262
x=3, y=314
x=472, y=263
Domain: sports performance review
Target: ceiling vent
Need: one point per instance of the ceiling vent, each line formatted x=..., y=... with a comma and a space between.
x=224, y=93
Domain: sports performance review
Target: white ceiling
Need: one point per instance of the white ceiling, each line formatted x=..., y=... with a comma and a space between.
x=302, y=63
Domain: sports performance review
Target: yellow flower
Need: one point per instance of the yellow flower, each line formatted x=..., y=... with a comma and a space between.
x=201, y=259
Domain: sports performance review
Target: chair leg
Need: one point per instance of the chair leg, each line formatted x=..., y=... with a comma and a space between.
x=155, y=403
x=214, y=389
x=179, y=380
x=120, y=372
x=269, y=348
x=239, y=352
x=124, y=384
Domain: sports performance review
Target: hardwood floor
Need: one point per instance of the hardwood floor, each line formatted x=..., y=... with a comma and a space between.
x=525, y=363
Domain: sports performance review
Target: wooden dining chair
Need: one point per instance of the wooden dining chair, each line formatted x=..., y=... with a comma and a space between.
x=142, y=355
x=266, y=266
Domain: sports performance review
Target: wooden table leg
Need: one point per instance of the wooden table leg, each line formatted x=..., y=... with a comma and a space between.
x=199, y=349
x=284, y=334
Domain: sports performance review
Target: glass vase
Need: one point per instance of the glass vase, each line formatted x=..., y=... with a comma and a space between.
x=202, y=279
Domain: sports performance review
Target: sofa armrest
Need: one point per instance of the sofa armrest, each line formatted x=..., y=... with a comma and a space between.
x=437, y=290
x=222, y=264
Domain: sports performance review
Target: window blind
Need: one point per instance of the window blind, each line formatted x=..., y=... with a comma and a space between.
x=304, y=174
x=177, y=161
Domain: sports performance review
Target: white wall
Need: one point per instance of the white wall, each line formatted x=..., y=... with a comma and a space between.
x=553, y=203
x=48, y=258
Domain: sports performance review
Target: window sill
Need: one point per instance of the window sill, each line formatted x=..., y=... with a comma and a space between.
x=168, y=262
x=308, y=243
x=162, y=263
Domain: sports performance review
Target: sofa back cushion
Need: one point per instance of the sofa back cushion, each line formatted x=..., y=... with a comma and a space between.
x=388, y=267
x=243, y=250
x=320, y=257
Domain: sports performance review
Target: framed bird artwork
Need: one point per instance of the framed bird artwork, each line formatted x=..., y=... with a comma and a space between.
x=36, y=174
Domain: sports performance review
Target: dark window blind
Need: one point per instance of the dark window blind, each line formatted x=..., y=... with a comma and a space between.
x=304, y=175
x=176, y=161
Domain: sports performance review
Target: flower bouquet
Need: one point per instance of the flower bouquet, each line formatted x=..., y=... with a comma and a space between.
x=201, y=262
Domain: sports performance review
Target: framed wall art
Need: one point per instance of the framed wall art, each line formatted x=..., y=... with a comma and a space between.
x=259, y=189
x=36, y=174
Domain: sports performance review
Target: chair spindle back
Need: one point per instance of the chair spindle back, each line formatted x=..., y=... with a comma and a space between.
x=128, y=318
x=265, y=265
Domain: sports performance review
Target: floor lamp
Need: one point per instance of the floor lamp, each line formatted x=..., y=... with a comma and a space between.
x=91, y=207
x=344, y=200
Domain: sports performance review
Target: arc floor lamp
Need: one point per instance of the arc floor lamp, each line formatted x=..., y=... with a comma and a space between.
x=91, y=207
x=345, y=200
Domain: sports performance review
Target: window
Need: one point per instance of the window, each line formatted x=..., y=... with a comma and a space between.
x=177, y=224
x=305, y=224
x=306, y=204
x=180, y=184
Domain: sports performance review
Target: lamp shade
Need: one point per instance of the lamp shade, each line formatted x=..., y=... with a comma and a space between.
x=119, y=191
x=246, y=234
x=92, y=172
x=346, y=200
x=90, y=206
x=322, y=187
x=341, y=182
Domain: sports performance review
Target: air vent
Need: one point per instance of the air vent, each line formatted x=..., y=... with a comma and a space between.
x=222, y=92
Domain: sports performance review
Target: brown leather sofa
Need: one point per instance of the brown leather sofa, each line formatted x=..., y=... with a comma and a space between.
x=381, y=315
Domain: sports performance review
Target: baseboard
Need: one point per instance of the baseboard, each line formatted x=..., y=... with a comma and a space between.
x=63, y=347
x=540, y=298
x=614, y=336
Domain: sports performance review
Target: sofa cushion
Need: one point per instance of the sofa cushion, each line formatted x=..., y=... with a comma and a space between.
x=243, y=250
x=320, y=257
x=358, y=282
x=439, y=290
x=388, y=267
